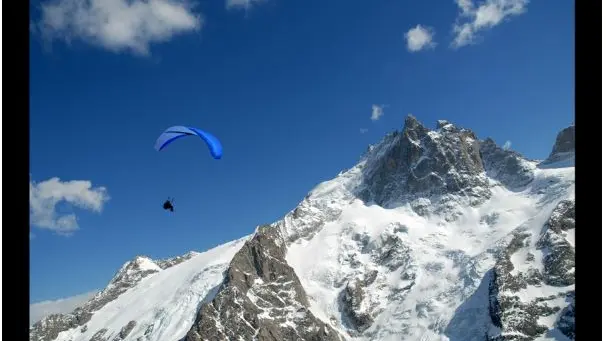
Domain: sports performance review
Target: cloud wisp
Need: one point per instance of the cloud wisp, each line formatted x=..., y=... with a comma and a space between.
x=419, y=38
x=241, y=4
x=474, y=18
x=46, y=195
x=117, y=25
x=507, y=145
x=377, y=112
x=363, y=130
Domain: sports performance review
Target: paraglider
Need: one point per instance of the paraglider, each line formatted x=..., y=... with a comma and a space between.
x=168, y=205
x=175, y=132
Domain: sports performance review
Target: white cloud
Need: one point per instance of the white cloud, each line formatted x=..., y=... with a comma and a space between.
x=507, y=145
x=466, y=6
x=363, y=130
x=118, y=25
x=38, y=311
x=419, y=37
x=473, y=18
x=377, y=112
x=240, y=4
x=44, y=197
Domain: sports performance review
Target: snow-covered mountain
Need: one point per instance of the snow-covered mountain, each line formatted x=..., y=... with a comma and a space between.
x=432, y=235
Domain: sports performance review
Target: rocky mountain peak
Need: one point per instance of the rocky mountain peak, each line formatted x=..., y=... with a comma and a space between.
x=564, y=141
x=134, y=270
x=423, y=163
x=129, y=274
x=413, y=127
x=564, y=146
x=441, y=123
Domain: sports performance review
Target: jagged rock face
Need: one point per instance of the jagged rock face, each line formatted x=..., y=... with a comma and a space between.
x=100, y=335
x=170, y=262
x=559, y=254
x=422, y=162
x=351, y=301
x=49, y=327
x=125, y=331
x=565, y=142
x=519, y=319
x=260, y=299
x=507, y=166
x=564, y=146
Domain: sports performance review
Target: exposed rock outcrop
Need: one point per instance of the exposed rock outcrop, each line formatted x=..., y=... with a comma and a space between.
x=261, y=299
x=518, y=315
x=564, y=147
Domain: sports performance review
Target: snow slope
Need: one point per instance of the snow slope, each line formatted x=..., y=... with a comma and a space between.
x=445, y=262
x=163, y=304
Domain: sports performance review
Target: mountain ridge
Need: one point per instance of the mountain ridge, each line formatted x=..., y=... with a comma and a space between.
x=410, y=179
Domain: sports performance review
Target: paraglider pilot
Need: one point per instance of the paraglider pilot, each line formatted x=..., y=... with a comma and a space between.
x=168, y=205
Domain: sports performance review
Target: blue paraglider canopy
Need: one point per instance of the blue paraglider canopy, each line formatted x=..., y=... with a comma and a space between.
x=176, y=132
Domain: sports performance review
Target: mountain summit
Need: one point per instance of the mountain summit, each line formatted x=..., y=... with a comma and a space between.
x=432, y=235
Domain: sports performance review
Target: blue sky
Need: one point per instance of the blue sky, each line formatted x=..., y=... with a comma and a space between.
x=288, y=87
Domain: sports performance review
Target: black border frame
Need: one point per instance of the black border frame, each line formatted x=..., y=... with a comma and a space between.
x=588, y=99
x=16, y=175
